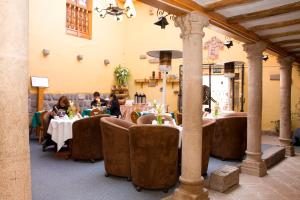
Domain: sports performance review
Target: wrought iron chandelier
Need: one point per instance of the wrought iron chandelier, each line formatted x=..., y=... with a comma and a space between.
x=112, y=8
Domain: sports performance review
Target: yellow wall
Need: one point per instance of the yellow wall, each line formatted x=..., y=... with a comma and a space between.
x=123, y=43
x=65, y=73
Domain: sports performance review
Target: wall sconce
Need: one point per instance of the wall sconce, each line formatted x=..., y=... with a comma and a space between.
x=79, y=57
x=265, y=57
x=45, y=52
x=106, y=62
x=228, y=43
x=162, y=19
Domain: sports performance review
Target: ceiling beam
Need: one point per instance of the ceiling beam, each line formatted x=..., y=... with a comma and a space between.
x=227, y=3
x=217, y=22
x=278, y=35
x=287, y=42
x=265, y=13
x=275, y=25
x=292, y=47
x=172, y=9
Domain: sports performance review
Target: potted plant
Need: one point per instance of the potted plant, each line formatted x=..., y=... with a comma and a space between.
x=121, y=75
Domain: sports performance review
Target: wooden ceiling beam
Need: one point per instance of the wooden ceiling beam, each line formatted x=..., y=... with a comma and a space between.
x=287, y=42
x=217, y=22
x=278, y=35
x=292, y=47
x=265, y=13
x=227, y=3
x=275, y=25
x=172, y=9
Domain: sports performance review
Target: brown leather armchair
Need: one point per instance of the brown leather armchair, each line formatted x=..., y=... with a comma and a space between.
x=230, y=138
x=147, y=119
x=207, y=139
x=115, y=133
x=87, y=139
x=153, y=156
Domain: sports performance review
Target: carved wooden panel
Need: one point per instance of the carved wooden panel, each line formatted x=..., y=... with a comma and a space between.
x=79, y=18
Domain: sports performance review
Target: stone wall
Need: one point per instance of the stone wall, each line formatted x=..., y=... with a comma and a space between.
x=83, y=100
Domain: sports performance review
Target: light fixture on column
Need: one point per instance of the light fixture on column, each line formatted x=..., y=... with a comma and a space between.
x=265, y=57
x=112, y=8
x=162, y=19
x=165, y=59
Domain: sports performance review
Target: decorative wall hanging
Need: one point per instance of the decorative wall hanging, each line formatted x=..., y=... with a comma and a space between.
x=213, y=46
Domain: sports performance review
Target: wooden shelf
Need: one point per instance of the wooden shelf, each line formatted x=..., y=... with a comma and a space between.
x=145, y=80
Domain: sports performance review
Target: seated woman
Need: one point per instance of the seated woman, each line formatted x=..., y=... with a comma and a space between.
x=114, y=106
x=98, y=101
x=60, y=109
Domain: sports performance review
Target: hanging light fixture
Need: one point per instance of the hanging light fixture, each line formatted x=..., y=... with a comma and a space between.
x=112, y=8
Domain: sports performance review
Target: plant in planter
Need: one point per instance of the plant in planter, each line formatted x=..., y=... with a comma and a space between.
x=121, y=75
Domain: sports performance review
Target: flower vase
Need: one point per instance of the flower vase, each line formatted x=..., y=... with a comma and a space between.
x=159, y=120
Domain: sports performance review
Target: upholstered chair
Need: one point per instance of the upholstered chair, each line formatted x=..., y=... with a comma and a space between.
x=147, y=119
x=115, y=133
x=230, y=138
x=45, y=120
x=87, y=139
x=208, y=131
x=154, y=156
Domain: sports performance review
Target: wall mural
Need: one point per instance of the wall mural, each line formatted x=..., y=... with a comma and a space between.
x=213, y=46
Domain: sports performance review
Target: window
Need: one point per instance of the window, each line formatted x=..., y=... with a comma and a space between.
x=79, y=18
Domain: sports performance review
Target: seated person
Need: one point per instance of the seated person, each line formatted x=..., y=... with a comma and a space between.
x=114, y=106
x=60, y=109
x=98, y=101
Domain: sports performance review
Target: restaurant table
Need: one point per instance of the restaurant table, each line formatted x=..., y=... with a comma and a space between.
x=61, y=130
x=35, y=120
x=180, y=136
x=87, y=112
x=126, y=110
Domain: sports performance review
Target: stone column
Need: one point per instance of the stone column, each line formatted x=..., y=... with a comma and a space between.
x=253, y=164
x=191, y=179
x=15, y=179
x=285, y=104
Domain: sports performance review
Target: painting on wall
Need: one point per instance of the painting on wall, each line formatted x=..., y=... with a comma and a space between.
x=213, y=47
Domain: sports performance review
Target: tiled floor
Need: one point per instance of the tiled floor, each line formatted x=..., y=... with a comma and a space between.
x=281, y=183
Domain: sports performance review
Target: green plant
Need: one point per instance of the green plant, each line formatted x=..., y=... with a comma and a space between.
x=121, y=75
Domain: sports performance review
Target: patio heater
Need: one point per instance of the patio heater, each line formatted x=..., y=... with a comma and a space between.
x=165, y=60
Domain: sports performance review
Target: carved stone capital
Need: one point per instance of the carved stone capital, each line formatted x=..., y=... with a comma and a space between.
x=192, y=23
x=255, y=49
x=285, y=62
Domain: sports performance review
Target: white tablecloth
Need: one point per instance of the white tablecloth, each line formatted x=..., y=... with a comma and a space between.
x=180, y=136
x=60, y=131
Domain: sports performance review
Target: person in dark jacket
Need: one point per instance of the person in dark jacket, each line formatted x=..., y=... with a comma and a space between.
x=98, y=101
x=114, y=106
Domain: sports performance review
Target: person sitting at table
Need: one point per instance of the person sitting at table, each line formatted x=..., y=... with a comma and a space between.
x=114, y=106
x=98, y=101
x=60, y=109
